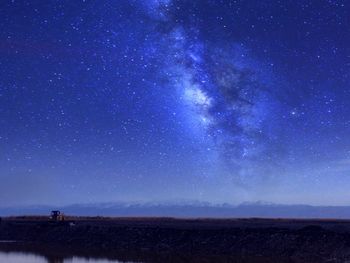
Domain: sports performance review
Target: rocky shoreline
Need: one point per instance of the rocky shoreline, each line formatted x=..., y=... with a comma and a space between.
x=152, y=240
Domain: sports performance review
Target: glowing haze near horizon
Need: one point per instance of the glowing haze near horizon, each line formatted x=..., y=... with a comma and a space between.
x=161, y=100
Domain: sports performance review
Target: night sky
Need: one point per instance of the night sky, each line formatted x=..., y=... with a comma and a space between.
x=174, y=101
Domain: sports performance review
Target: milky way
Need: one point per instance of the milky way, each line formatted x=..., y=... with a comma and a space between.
x=224, y=99
x=168, y=100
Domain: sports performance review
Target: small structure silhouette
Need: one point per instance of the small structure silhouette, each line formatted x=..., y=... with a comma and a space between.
x=57, y=216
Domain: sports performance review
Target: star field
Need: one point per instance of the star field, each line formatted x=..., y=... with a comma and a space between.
x=173, y=100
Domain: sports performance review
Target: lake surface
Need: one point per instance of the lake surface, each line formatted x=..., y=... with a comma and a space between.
x=12, y=252
x=34, y=257
x=25, y=257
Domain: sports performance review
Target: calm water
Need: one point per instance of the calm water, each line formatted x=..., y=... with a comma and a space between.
x=21, y=257
x=11, y=252
x=29, y=257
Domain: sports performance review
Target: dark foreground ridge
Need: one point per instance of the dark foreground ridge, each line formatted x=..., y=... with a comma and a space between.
x=185, y=240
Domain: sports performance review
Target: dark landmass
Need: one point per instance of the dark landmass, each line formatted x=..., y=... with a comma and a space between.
x=193, y=209
x=184, y=240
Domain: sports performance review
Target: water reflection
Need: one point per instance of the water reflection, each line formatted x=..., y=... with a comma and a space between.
x=22, y=253
x=21, y=257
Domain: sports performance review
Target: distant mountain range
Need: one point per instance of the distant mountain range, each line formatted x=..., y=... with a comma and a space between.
x=187, y=210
